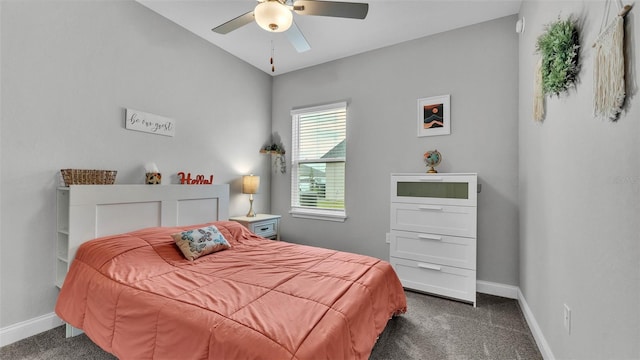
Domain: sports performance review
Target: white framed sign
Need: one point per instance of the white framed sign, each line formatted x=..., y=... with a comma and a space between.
x=149, y=123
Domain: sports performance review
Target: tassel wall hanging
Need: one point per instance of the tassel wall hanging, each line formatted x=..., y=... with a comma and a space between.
x=608, y=69
x=538, y=94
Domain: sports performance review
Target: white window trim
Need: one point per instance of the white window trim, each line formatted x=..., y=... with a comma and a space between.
x=317, y=214
x=319, y=108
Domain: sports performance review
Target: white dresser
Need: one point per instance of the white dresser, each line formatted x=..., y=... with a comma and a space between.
x=433, y=233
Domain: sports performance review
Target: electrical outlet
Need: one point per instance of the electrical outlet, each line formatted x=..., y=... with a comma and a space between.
x=387, y=239
x=567, y=318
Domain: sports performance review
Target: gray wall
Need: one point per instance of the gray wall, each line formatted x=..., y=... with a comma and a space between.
x=573, y=183
x=69, y=68
x=478, y=66
x=580, y=200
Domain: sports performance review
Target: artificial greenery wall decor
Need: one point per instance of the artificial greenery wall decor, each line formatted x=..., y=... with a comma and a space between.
x=559, y=46
x=277, y=150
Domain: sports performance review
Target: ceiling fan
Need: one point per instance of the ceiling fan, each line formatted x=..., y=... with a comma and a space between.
x=277, y=16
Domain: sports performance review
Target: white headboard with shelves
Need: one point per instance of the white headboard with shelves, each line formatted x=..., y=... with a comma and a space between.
x=86, y=212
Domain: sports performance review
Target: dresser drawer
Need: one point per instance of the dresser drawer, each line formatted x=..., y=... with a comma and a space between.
x=434, y=219
x=434, y=248
x=438, y=279
x=445, y=189
x=267, y=228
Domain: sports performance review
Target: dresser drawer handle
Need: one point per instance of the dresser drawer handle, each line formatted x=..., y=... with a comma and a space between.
x=264, y=229
x=424, y=207
x=430, y=237
x=431, y=179
x=429, y=267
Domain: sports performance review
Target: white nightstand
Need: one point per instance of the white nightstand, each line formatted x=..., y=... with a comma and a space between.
x=264, y=225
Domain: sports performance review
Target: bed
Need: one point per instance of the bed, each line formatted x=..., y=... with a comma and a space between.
x=137, y=296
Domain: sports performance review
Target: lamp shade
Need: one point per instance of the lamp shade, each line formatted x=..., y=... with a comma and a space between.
x=272, y=16
x=250, y=184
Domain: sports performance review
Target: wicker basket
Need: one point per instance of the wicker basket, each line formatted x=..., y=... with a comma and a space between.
x=88, y=177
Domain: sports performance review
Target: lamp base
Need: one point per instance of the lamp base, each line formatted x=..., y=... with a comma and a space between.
x=251, y=213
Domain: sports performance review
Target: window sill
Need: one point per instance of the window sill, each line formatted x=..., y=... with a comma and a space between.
x=327, y=215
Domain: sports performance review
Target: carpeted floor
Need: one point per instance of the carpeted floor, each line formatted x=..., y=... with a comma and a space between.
x=436, y=328
x=432, y=328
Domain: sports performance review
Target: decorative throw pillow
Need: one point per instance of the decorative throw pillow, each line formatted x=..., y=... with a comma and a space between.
x=199, y=242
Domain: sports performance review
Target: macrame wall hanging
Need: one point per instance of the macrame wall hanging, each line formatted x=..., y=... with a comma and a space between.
x=608, y=68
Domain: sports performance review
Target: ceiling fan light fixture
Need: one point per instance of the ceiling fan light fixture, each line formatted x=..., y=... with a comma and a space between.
x=273, y=16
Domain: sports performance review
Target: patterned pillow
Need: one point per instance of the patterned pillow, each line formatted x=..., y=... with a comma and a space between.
x=199, y=242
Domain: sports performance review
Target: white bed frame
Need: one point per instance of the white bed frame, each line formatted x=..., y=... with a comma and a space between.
x=86, y=212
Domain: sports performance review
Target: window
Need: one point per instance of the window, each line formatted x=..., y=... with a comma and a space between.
x=318, y=162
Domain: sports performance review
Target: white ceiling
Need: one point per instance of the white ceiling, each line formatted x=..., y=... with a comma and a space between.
x=388, y=22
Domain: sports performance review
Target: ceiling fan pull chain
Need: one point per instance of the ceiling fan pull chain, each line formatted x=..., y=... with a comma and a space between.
x=273, y=68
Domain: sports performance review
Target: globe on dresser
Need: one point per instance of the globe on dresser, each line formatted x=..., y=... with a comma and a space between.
x=432, y=158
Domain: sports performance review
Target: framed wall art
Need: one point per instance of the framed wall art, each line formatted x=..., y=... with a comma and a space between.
x=434, y=116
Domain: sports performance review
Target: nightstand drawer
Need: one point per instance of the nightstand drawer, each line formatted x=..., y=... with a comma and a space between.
x=266, y=228
x=434, y=219
x=265, y=225
x=437, y=279
x=434, y=248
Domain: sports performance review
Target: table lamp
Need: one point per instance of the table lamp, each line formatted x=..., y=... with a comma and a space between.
x=250, y=185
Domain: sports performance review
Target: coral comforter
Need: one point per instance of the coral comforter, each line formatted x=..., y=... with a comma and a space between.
x=137, y=297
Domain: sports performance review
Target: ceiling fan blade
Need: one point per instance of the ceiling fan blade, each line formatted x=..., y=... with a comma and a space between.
x=297, y=39
x=233, y=24
x=331, y=8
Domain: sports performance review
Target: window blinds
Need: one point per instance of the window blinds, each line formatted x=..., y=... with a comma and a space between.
x=319, y=157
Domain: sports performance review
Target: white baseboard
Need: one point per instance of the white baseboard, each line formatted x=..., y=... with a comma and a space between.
x=543, y=346
x=491, y=288
x=513, y=292
x=23, y=330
